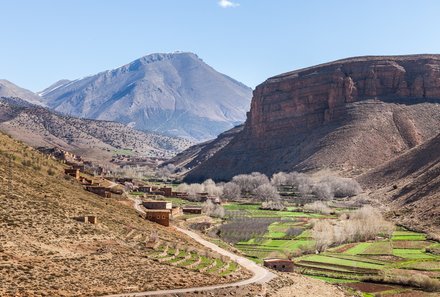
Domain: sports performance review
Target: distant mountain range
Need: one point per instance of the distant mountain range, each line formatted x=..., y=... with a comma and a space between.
x=176, y=94
x=8, y=89
x=95, y=140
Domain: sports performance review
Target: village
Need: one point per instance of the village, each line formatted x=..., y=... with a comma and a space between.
x=277, y=234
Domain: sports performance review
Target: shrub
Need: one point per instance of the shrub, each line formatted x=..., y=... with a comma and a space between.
x=318, y=207
x=363, y=224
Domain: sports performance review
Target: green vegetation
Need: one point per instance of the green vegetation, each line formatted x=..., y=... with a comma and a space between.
x=126, y=152
x=290, y=234
x=358, y=249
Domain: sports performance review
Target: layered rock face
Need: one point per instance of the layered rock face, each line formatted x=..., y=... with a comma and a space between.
x=308, y=98
x=350, y=115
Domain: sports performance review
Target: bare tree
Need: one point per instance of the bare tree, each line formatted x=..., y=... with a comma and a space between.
x=213, y=210
x=231, y=191
x=266, y=192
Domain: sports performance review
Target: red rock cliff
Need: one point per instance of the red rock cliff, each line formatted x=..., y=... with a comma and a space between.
x=350, y=115
x=304, y=99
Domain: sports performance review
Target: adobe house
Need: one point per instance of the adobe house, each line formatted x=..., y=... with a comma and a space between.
x=182, y=195
x=176, y=211
x=155, y=204
x=145, y=189
x=283, y=265
x=87, y=219
x=192, y=210
x=101, y=191
x=72, y=172
x=168, y=192
x=160, y=216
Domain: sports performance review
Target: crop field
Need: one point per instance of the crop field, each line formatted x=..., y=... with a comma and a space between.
x=287, y=233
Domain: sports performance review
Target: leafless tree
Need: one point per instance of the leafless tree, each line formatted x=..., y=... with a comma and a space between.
x=266, y=192
x=231, y=191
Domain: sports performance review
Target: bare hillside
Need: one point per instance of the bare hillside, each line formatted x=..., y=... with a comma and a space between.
x=410, y=186
x=96, y=140
x=46, y=251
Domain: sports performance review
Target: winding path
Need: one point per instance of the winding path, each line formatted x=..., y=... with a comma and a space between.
x=260, y=274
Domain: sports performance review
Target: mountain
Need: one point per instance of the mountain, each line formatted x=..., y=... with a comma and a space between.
x=46, y=250
x=410, y=186
x=95, y=140
x=8, y=89
x=201, y=152
x=53, y=87
x=349, y=115
x=176, y=94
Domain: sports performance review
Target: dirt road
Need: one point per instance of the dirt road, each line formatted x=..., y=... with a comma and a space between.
x=260, y=274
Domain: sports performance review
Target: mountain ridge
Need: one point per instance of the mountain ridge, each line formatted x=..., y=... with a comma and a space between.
x=195, y=100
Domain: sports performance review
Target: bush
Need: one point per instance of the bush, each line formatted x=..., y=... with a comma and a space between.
x=318, y=207
x=363, y=224
x=51, y=172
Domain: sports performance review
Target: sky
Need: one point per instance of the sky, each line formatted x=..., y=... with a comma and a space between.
x=250, y=40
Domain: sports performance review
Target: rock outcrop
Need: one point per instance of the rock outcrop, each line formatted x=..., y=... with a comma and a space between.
x=350, y=115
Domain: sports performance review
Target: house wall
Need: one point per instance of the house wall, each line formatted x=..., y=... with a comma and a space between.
x=162, y=218
x=280, y=265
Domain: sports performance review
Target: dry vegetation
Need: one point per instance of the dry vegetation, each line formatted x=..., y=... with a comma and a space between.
x=44, y=251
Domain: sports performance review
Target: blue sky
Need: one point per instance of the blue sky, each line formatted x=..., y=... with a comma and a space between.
x=250, y=40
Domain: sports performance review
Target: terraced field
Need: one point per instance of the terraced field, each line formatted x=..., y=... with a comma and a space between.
x=351, y=263
x=357, y=262
x=195, y=260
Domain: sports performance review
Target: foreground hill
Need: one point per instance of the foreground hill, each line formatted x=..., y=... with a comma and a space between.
x=349, y=115
x=96, y=140
x=410, y=185
x=45, y=251
x=176, y=94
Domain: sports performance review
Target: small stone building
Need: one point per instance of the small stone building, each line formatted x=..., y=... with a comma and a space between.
x=101, y=191
x=168, y=192
x=74, y=172
x=160, y=216
x=283, y=265
x=192, y=210
x=155, y=204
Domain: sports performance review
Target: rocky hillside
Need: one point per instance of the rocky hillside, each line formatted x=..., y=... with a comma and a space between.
x=95, y=140
x=176, y=94
x=45, y=250
x=410, y=186
x=349, y=115
x=200, y=153
x=8, y=89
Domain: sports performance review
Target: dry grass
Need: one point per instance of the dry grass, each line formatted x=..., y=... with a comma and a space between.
x=44, y=251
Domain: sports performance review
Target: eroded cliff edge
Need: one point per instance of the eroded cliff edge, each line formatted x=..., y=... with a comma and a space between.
x=349, y=115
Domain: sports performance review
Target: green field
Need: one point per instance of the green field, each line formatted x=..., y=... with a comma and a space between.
x=347, y=263
x=358, y=249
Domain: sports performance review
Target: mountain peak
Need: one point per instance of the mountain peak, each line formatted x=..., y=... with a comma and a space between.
x=172, y=93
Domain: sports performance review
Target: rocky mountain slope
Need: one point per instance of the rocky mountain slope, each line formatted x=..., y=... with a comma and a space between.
x=46, y=251
x=95, y=140
x=410, y=186
x=349, y=115
x=176, y=94
x=8, y=89
x=200, y=153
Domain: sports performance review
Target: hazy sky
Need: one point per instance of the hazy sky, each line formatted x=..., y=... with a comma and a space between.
x=250, y=40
